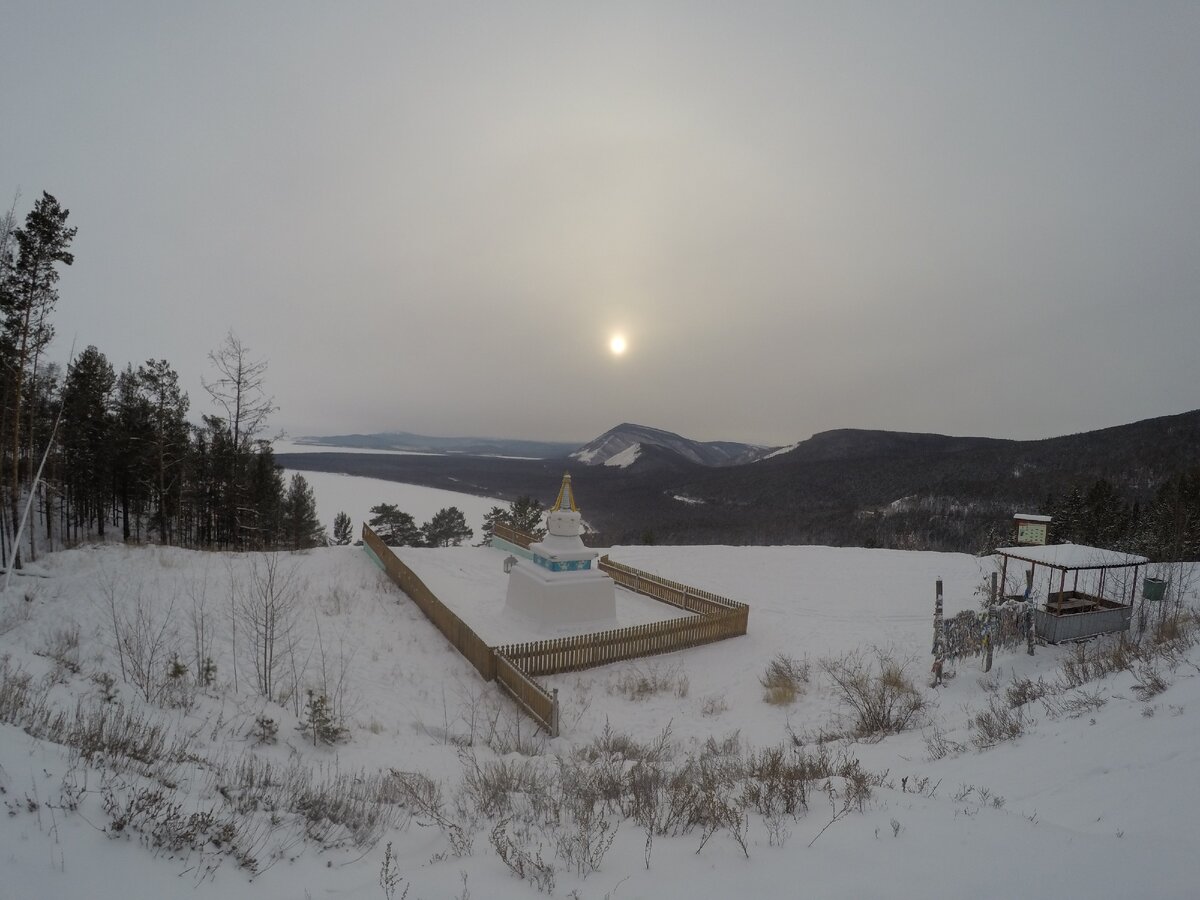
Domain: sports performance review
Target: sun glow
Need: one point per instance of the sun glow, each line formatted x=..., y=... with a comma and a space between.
x=617, y=344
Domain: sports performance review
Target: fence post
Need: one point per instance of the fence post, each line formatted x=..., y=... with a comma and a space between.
x=554, y=713
x=937, y=620
x=991, y=625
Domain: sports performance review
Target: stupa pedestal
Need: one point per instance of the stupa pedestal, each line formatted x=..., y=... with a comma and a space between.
x=562, y=585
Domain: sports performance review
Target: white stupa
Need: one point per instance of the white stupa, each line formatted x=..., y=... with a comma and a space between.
x=561, y=585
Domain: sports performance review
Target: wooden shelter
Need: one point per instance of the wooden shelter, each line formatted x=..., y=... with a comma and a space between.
x=1089, y=590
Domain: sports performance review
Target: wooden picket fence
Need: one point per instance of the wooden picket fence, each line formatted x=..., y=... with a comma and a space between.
x=456, y=631
x=540, y=704
x=510, y=534
x=514, y=665
x=683, y=596
x=585, y=651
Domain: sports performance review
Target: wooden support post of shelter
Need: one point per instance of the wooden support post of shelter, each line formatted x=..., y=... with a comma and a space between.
x=938, y=614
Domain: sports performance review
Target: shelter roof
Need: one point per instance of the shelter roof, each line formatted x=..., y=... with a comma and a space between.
x=1073, y=556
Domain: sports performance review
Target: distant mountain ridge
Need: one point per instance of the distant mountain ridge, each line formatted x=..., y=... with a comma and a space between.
x=615, y=448
x=847, y=487
x=421, y=443
x=858, y=443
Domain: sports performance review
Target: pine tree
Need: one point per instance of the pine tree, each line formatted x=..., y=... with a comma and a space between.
x=319, y=721
x=302, y=527
x=132, y=462
x=448, y=527
x=395, y=527
x=494, y=516
x=343, y=530
x=27, y=297
x=86, y=436
x=265, y=493
x=168, y=436
x=525, y=514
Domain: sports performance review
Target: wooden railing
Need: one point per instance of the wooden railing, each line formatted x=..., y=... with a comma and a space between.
x=512, y=535
x=514, y=665
x=587, y=650
x=456, y=631
x=540, y=704
x=692, y=599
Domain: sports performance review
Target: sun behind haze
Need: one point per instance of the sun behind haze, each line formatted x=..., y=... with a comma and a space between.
x=920, y=210
x=617, y=344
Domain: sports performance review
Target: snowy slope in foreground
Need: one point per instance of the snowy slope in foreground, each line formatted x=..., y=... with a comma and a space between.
x=1097, y=806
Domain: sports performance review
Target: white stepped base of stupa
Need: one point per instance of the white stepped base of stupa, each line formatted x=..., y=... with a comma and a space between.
x=555, y=599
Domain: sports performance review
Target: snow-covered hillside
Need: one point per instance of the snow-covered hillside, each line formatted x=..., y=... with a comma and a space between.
x=1094, y=799
x=619, y=444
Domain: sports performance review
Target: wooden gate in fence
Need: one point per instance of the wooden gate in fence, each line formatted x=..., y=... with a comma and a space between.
x=514, y=665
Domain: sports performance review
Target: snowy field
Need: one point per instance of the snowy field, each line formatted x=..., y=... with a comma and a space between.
x=1094, y=802
x=1094, y=806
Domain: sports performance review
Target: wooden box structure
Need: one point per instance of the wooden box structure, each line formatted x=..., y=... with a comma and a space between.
x=1072, y=609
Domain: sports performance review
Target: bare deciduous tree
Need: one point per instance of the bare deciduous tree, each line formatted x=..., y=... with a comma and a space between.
x=239, y=390
x=267, y=607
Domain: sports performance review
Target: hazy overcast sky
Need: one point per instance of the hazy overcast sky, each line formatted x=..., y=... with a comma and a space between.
x=956, y=217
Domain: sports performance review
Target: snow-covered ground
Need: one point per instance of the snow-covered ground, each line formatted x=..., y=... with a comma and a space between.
x=1095, y=806
x=471, y=581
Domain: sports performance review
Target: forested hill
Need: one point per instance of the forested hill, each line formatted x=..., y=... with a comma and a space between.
x=847, y=487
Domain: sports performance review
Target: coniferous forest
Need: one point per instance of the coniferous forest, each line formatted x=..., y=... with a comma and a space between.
x=113, y=443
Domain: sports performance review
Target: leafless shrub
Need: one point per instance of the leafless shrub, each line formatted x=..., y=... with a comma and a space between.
x=490, y=788
x=638, y=682
x=840, y=806
x=389, y=875
x=623, y=745
x=1149, y=682
x=1025, y=690
x=340, y=808
x=777, y=780
x=166, y=828
x=730, y=745
x=511, y=731
x=587, y=837
x=785, y=678
x=1073, y=703
x=1176, y=631
x=62, y=646
x=880, y=696
x=713, y=705
x=141, y=634
x=521, y=860
x=938, y=746
x=997, y=723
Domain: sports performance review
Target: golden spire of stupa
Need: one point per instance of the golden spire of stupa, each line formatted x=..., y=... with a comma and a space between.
x=566, y=496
